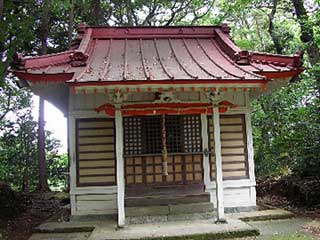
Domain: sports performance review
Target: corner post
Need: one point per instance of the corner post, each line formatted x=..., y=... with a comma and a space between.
x=120, y=166
x=218, y=165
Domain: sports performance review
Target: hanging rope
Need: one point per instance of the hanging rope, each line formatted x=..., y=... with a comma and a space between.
x=164, y=149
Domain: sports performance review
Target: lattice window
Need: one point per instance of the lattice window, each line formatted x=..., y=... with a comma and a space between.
x=152, y=142
x=132, y=137
x=192, y=133
x=173, y=132
x=143, y=135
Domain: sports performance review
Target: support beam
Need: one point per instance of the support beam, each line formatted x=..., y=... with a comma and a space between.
x=120, y=168
x=250, y=146
x=205, y=147
x=218, y=165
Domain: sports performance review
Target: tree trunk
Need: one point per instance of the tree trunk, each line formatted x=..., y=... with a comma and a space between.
x=25, y=185
x=70, y=23
x=43, y=180
x=96, y=12
x=273, y=34
x=1, y=10
x=308, y=38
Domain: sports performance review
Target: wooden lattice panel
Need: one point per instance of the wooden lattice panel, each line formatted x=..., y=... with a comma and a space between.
x=174, y=139
x=151, y=135
x=193, y=164
x=134, y=170
x=95, y=152
x=233, y=146
x=175, y=169
x=142, y=135
x=147, y=170
x=132, y=137
x=144, y=165
x=192, y=133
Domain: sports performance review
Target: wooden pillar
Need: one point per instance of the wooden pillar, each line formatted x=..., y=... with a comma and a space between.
x=120, y=167
x=218, y=165
x=72, y=162
x=205, y=148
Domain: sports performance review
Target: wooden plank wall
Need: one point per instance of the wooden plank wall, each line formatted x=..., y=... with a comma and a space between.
x=95, y=148
x=233, y=147
x=93, y=204
x=236, y=197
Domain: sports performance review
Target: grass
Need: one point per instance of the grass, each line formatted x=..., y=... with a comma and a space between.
x=296, y=236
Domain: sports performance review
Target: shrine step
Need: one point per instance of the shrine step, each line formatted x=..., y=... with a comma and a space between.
x=171, y=212
x=162, y=199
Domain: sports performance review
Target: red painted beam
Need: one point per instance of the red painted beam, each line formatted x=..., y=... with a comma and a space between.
x=57, y=77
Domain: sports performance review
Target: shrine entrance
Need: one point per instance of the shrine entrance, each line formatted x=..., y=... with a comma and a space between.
x=157, y=168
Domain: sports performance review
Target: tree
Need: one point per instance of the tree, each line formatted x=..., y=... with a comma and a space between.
x=44, y=30
x=307, y=36
x=286, y=122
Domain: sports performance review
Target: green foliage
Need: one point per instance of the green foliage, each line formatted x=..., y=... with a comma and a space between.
x=18, y=155
x=57, y=170
x=286, y=127
x=286, y=131
x=296, y=236
x=286, y=122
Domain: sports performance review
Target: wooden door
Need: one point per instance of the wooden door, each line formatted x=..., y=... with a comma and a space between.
x=143, y=158
x=147, y=170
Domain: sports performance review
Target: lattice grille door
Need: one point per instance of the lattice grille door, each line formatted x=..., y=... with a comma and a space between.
x=144, y=164
x=151, y=136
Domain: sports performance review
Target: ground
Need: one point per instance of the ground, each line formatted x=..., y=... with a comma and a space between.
x=41, y=207
x=38, y=208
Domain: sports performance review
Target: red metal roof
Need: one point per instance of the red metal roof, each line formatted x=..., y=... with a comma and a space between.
x=127, y=54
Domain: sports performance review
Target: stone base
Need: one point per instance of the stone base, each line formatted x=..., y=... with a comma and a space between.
x=177, y=212
x=195, y=229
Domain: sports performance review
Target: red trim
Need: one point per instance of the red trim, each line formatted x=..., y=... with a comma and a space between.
x=57, y=77
x=126, y=113
x=152, y=32
x=166, y=105
x=276, y=59
x=165, y=108
x=282, y=74
x=166, y=82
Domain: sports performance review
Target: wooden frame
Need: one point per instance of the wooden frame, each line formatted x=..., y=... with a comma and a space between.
x=244, y=146
x=141, y=174
x=77, y=145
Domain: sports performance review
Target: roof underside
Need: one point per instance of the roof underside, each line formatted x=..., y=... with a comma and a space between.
x=152, y=54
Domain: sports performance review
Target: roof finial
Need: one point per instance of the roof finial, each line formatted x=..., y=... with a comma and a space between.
x=18, y=61
x=242, y=57
x=82, y=27
x=225, y=28
x=297, y=59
